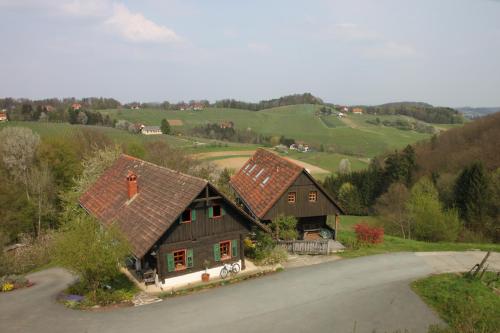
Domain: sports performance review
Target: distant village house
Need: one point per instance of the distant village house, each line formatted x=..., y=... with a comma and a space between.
x=76, y=106
x=150, y=130
x=3, y=115
x=357, y=111
x=226, y=124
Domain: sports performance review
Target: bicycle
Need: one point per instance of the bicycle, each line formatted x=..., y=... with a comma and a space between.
x=233, y=268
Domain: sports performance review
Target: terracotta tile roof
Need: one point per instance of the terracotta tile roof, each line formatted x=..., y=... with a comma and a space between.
x=163, y=194
x=263, y=179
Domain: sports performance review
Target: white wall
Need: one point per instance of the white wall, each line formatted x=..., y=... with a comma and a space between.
x=186, y=279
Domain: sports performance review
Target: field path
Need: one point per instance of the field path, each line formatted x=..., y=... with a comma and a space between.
x=214, y=154
x=236, y=162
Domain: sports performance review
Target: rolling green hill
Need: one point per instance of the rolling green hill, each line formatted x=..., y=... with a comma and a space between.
x=351, y=136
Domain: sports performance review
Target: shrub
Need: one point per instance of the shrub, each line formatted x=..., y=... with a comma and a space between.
x=366, y=234
x=430, y=221
x=264, y=251
x=90, y=251
x=34, y=252
x=276, y=256
x=285, y=227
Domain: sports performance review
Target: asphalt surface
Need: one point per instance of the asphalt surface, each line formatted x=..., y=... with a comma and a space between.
x=354, y=295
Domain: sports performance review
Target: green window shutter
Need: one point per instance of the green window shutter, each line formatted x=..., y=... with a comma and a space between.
x=193, y=214
x=222, y=211
x=210, y=212
x=170, y=262
x=216, y=252
x=234, y=248
x=179, y=220
x=189, y=258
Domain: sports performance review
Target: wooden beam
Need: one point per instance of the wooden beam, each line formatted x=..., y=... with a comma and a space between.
x=207, y=199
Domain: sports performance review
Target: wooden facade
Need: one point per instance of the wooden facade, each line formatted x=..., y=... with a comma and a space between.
x=201, y=236
x=302, y=207
x=269, y=185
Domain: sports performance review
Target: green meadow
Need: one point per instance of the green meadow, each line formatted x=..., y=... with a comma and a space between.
x=351, y=136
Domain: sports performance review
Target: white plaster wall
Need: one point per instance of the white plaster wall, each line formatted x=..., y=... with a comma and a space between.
x=186, y=279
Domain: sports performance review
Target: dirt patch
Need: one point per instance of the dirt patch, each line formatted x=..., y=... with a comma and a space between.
x=237, y=162
x=175, y=122
x=231, y=163
x=309, y=167
x=213, y=154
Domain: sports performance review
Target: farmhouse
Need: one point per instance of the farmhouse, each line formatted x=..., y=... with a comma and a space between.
x=76, y=106
x=176, y=224
x=357, y=111
x=268, y=186
x=3, y=115
x=150, y=130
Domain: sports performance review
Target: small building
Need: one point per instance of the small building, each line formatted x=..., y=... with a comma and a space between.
x=3, y=115
x=226, y=124
x=269, y=185
x=177, y=225
x=357, y=111
x=197, y=107
x=48, y=108
x=76, y=106
x=135, y=107
x=151, y=130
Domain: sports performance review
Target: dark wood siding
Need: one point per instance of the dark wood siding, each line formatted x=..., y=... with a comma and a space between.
x=302, y=207
x=202, y=250
x=201, y=234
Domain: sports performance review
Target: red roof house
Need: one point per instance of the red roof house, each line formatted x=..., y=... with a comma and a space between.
x=268, y=186
x=173, y=221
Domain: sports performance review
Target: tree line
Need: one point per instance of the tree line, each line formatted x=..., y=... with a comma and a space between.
x=305, y=98
x=445, y=189
x=420, y=111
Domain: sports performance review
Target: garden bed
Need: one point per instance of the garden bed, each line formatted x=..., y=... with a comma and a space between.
x=13, y=282
x=118, y=293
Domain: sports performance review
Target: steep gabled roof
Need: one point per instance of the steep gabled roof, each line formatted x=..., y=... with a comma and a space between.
x=263, y=179
x=163, y=194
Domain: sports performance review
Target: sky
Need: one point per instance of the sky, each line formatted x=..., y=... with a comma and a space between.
x=444, y=52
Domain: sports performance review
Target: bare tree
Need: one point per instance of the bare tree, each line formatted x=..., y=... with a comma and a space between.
x=18, y=147
x=42, y=189
x=391, y=206
x=344, y=166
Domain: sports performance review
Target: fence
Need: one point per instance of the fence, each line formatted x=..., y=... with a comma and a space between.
x=320, y=246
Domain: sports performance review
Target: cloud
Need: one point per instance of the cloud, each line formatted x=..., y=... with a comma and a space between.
x=135, y=27
x=390, y=50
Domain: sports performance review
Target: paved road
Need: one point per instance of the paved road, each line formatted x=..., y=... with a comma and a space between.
x=370, y=293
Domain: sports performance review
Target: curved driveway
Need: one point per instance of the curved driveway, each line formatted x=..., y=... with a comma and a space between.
x=369, y=293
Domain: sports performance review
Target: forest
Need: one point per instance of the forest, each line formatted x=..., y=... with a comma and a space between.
x=447, y=188
x=420, y=111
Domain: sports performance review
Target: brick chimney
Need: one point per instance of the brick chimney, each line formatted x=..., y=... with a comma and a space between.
x=131, y=184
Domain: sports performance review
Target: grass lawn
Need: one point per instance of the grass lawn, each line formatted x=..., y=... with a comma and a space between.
x=347, y=237
x=189, y=144
x=467, y=305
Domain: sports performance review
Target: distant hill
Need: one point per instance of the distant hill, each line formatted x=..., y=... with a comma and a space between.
x=418, y=110
x=472, y=113
x=296, y=99
x=456, y=148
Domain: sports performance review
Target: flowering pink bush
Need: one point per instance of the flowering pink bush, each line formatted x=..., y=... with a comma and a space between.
x=368, y=235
